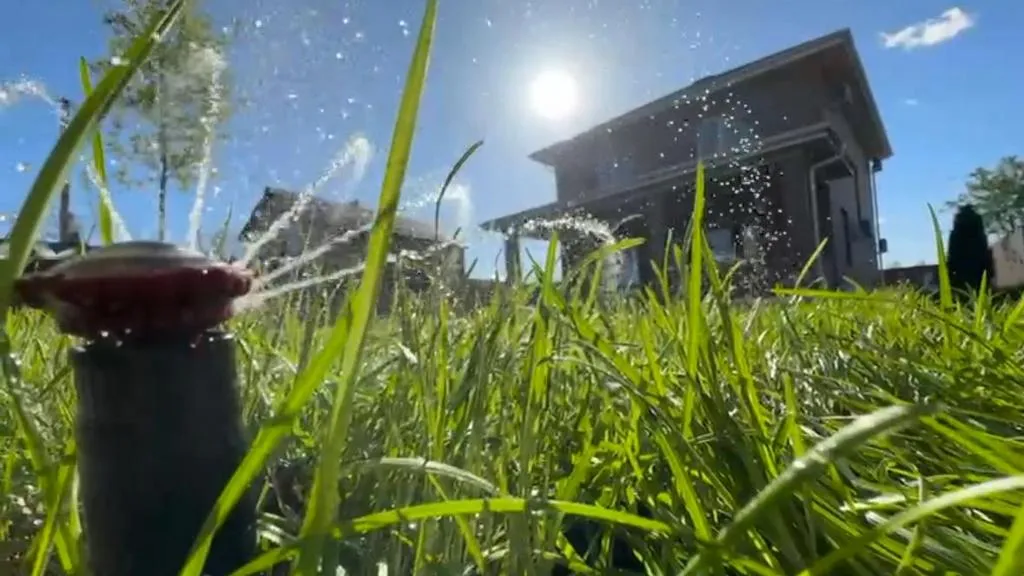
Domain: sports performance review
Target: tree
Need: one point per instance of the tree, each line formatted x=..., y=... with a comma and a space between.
x=158, y=130
x=969, y=256
x=997, y=195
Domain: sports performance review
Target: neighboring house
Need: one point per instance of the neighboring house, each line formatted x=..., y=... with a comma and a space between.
x=44, y=255
x=340, y=231
x=924, y=276
x=1008, y=257
x=813, y=139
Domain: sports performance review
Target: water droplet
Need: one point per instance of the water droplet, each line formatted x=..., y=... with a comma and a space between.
x=259, y=23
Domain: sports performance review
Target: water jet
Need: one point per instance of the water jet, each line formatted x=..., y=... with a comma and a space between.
x=158, y=422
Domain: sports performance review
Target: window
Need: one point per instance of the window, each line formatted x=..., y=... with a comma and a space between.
x=723, y=243
x=847, y=247
x=719, y=136
x=615, y=173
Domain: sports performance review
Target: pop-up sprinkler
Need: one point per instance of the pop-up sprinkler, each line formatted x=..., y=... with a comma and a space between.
x=158, y=429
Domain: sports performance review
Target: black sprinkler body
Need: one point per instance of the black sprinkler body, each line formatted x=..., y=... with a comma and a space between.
x=159, y=428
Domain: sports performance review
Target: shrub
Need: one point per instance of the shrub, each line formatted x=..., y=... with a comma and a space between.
x=969, y=256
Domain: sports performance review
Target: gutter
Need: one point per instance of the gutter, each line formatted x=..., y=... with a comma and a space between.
x=876, y=166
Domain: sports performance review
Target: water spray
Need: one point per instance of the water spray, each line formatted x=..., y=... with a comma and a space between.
x=158, y=428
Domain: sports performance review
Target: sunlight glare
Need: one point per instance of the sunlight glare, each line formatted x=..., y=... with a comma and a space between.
x=553, y=95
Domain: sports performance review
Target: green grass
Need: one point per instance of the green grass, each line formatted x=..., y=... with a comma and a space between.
x=569, y=402
x=819, y=433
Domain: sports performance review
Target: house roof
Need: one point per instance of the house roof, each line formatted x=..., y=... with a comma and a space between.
x=44, y=248
x=842, y=39
x=651, y=181
x=344, y=216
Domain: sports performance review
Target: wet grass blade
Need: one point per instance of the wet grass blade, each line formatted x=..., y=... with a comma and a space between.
x=324, y=500
x=920, y=512
x=945, y=289
x=99, y=162
x=694, y=310
x=448, y=182
x=58, y=501
x=57, y=165
x=1011, y=557
x=42, y=465
x=849, y=438
x=379, y=520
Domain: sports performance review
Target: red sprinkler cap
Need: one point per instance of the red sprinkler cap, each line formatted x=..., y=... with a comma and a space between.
x=138, y=287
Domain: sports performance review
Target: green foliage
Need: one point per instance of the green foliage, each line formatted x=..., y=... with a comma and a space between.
x=463, y=421
x=53, y=480
x=970, y=258
x=997, y=194
x=180, y=98
x=820, y=433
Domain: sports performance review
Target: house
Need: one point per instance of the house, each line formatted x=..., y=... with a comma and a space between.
x=1008, y=258
x=790, y=143
x=924, y=276
x=43, y=256
x=340, y=232
x=46, y=254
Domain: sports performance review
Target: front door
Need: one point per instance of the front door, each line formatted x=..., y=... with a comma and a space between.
x=829, y=264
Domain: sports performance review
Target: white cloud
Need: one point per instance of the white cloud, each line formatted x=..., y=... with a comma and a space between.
x=911, y=101
x=930, y=32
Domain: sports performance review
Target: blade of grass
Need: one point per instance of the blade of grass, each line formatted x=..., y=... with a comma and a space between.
x=448, y=181
x=106, y=209
x=67, y=546
x=324, y=500
x=928, y=508
x=508, y=505
x=849, y=438
x=694, y=315
x=276, y=429
x=58, y=501
x=1011, y=557
x=945, y=290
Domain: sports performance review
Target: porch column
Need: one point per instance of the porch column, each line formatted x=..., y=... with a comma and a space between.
x=655, y=235
x=512, y=264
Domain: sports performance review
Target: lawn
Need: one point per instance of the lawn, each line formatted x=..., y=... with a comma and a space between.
x=602, y=402
x=819, y=433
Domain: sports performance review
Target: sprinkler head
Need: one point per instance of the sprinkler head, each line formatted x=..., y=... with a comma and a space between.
x=136, y=288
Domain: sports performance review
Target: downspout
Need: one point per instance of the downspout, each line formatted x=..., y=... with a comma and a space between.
x=812, y=174
x=876, y=166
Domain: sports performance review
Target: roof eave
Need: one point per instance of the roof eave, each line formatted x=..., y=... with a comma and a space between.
x=884, y=146
x=268, y=193
x=714, y=83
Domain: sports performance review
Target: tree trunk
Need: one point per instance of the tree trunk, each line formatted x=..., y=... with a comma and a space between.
x=64, y=225
x=162, y=197
x=64, y=220
x=164, y=163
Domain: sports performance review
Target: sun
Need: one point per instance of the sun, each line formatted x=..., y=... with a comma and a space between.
x=553, y=94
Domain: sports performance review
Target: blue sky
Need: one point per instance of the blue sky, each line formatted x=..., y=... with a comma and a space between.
x=318, y=73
